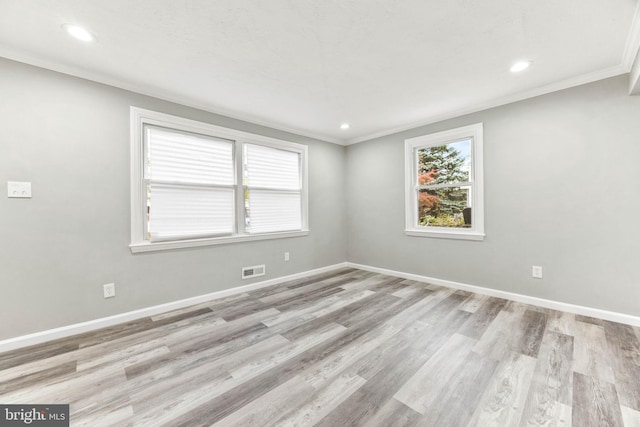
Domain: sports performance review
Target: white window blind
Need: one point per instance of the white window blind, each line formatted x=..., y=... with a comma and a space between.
x=274, y=188
x=190, y=185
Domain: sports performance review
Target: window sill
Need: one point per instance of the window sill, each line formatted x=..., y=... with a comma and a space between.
x=179, y=244
x=446, y=234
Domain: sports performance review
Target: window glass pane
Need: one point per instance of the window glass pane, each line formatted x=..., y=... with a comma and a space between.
x=444, y=164
x=445, y=207
x=271, y=211
x=189, y=212
x=190, y=158
x=268, y=167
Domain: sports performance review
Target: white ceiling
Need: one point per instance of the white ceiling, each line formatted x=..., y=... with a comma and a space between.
x=308, y=65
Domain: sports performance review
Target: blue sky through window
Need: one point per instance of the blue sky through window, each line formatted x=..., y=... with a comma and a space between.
x=464, y=149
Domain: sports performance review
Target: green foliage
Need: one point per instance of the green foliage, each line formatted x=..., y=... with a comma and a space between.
x=442, y=164
x=443, y=221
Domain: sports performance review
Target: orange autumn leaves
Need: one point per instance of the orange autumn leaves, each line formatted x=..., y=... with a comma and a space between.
x=427, y=202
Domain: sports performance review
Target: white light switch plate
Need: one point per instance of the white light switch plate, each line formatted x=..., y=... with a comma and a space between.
x=19, y=189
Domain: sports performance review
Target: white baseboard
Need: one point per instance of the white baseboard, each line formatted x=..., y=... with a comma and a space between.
x=540, y=302
x=92, y=325
x=78, y=328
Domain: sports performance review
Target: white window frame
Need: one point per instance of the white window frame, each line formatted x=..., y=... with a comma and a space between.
x=412, y=145
x=142, y=117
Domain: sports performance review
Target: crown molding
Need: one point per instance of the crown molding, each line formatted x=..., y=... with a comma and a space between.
x=159, y=94
x=631, y=49
x=633, y=42
x=520, y=96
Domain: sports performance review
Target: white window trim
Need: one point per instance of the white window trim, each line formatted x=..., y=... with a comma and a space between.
x=141, y=117
x=476, y=232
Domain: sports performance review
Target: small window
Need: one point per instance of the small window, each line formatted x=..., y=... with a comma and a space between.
x=444, y=188
x=196, y=184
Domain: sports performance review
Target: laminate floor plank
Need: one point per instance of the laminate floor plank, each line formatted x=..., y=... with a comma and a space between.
x=332, y=277
x=421, y=338
x=267, y=408
x=590, y=355
x=478, y=323
x=444, y=307
x=363, y=405
x=343, y=348
x=423, y=389
x=192, y=387
x=37, y=352
x=68, y=387
x=463, y=392
x=624, y=351
x=365, y=283
x=473, y=302
x=426, y=301
x=533, y=326
x=591, y=320
x=290, y=319
x=389, y=286
x=304, y=300
x=211, y=305
x=328, y=368
x=595, y=403
x=503, y=335
x=291, y=293
x=503, y=400
x=223, y=333
x=561, y=322
x=410, y=289
x=321, y=402
x=240, y=309
x=395, y=414
x=113, y=417
x=551, y=386
x=287, y=352
x=386, y=376
x=313, y=280
x=147, y=338
x=37, y=378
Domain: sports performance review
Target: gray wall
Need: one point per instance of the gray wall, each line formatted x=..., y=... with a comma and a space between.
x=561, y=191
x=70, y=138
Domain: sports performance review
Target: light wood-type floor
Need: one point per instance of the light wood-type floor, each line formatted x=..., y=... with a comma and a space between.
x=344, y=348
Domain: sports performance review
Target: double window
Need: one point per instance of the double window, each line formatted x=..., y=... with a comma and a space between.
x=197, y=184
x=444, y=184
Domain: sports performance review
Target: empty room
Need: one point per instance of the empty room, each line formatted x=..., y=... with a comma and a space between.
x=331, y=213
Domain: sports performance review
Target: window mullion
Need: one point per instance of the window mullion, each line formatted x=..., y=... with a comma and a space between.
x=181, y=184
x=447, y=185
x=279, y=190
x=240, y=190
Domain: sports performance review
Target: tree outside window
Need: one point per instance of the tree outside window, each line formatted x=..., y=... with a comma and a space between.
x=444, y=194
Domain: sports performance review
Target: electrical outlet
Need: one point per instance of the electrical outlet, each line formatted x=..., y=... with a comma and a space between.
x=109, y=290
x=20, y=190
x=286, y=256
x=536, y=272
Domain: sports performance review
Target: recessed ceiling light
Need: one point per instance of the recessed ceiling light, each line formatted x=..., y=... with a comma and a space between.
x=79, y=32
x=520, y=66
x=344, y=126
